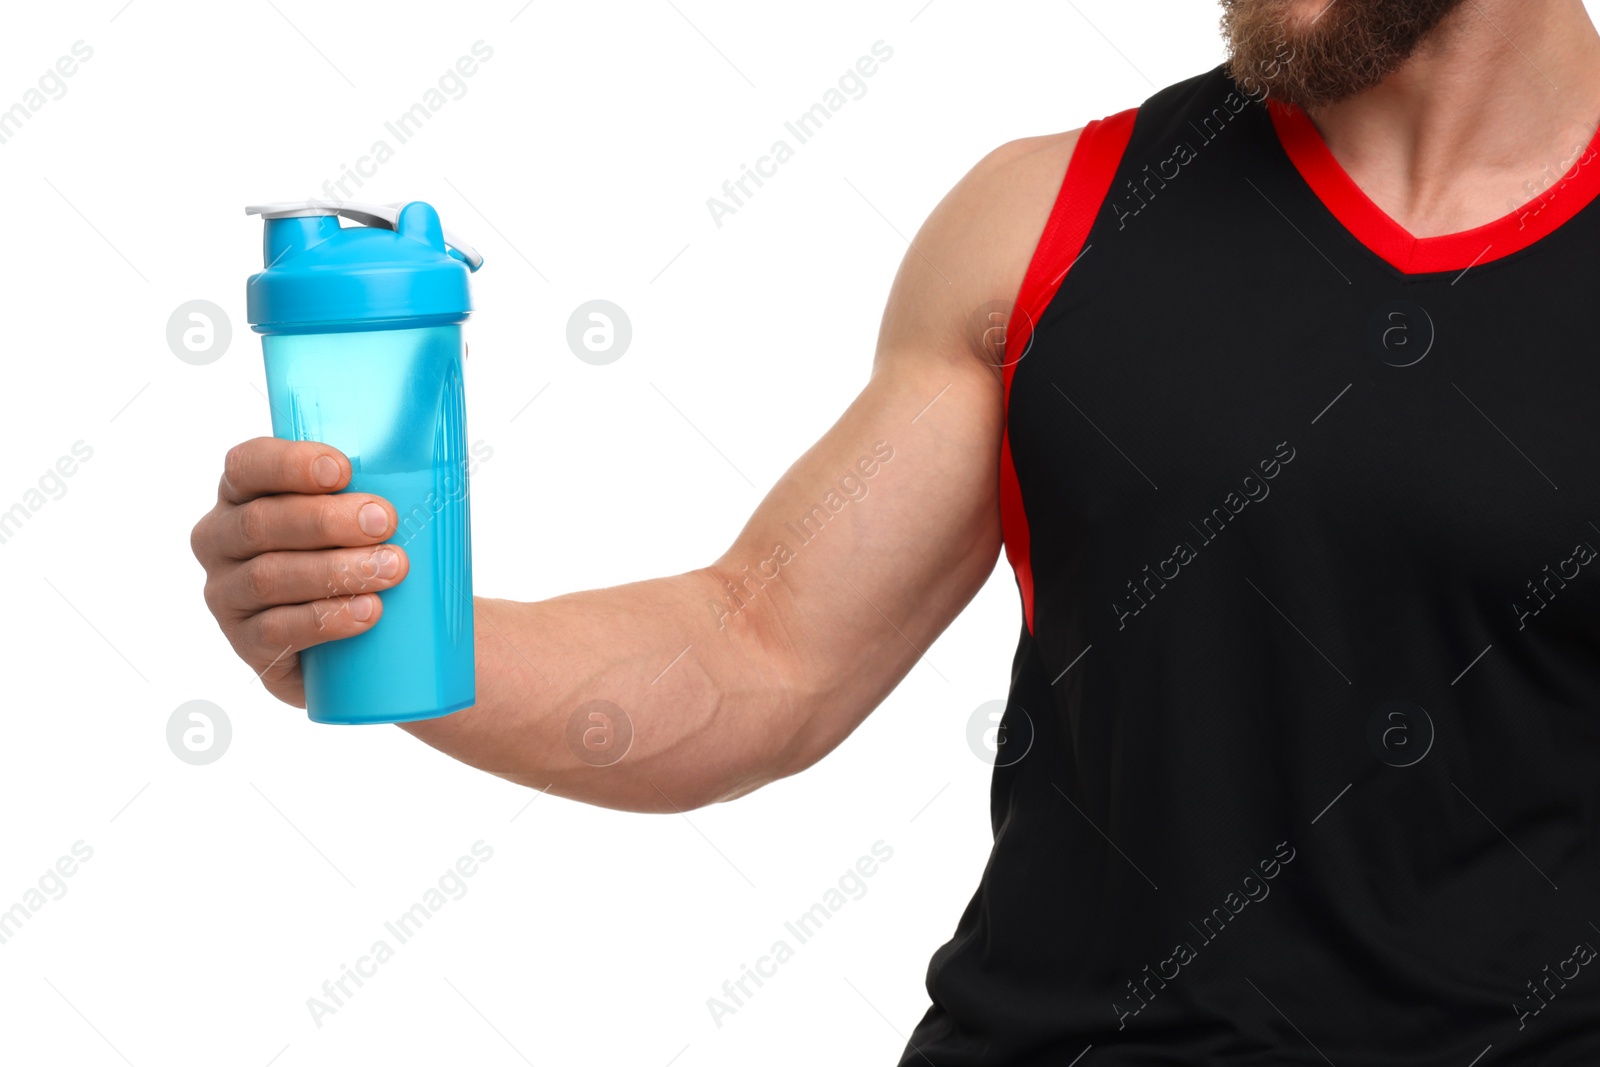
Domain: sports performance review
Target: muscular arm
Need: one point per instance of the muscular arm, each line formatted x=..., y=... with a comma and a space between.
x=823, y=603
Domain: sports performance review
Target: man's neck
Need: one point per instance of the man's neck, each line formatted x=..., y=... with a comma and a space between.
x=1492, y=110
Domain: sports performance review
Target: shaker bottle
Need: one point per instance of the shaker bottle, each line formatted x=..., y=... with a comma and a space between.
x=361, y=331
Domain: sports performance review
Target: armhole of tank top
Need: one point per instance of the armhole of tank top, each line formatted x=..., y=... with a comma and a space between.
x=1093, y=165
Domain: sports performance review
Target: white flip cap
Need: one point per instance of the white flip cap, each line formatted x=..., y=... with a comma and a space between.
x=383, y=216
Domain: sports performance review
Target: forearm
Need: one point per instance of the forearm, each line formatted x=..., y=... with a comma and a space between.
x=737, y=674
x=708, y=706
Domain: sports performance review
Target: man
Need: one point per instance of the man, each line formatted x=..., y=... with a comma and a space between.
x=1289, y=432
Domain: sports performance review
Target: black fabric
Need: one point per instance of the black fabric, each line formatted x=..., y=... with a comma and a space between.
x=1309, y=695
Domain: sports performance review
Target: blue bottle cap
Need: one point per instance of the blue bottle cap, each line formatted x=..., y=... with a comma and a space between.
x=399, y=264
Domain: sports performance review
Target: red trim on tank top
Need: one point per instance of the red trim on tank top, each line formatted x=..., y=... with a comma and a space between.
x=1088, y=181
x=1391, y=242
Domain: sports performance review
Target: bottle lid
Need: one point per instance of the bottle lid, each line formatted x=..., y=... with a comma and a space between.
x=399, y=263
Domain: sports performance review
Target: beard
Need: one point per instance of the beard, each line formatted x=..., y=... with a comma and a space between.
x=1311, y=55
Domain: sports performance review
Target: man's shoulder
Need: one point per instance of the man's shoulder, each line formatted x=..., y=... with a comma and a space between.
x=975, y=248
x=1014, y=188
x=998, y=208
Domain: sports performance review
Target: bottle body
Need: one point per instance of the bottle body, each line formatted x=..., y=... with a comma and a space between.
x=392, y=400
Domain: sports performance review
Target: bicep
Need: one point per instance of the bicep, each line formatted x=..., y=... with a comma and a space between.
x=870, y=544
x=877, y=537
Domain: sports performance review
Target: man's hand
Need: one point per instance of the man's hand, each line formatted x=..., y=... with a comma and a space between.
x=290, y=561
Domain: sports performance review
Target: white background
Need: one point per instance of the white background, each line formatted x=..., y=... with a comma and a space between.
x=219, y=898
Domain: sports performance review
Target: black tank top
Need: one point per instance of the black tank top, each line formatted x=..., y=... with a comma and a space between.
x=1302, y=747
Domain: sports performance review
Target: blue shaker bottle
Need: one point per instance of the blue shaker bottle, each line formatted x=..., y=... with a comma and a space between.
x=361, y=330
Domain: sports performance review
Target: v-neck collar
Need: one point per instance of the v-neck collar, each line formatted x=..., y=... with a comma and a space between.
x=1386, y=238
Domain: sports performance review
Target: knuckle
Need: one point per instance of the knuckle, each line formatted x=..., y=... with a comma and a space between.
x=333, y=525
x=261, y=577
x=236, y=464
x=199, y=538
x=275, y=631
x=211, y=596
x=330, y=617
x=347, y=576
x=252, y=520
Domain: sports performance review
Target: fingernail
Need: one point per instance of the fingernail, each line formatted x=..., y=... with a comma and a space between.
x=373, y=519
x=386, y=563
x=361, y=607
x=325, y=471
